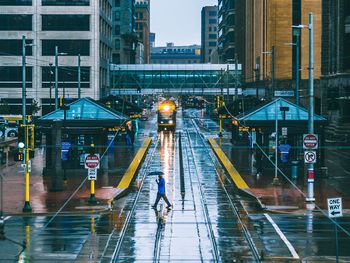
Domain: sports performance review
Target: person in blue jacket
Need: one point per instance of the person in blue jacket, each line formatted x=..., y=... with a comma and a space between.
x=161, y=192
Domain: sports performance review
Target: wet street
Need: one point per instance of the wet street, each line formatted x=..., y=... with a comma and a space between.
x=210, y=221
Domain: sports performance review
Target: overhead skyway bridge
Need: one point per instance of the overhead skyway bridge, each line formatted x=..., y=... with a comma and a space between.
x=177, y=79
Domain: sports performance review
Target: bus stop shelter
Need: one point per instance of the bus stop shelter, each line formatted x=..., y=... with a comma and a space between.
x=76, y=129
x=259, y=125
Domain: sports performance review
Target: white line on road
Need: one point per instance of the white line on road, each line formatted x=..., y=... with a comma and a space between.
x=282, y=236
x=8, y=217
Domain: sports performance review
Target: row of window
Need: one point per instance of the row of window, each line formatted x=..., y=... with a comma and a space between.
x=45, y=2
x=175, y=62
x=11, y=77
x=13, y=47
x=49, y=22
x=214, y=28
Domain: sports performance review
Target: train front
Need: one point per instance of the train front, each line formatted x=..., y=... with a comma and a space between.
x=167, y=116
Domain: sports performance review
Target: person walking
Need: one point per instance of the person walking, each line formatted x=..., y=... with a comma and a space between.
x=161, y=192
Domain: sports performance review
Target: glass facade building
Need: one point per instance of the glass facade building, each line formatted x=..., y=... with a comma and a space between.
x=196, y=79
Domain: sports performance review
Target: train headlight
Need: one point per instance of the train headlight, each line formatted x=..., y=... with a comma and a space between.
x=170, y=122
x=166, y=107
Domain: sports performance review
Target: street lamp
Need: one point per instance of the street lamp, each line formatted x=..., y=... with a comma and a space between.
x=272, y=53
x=56, y=75
x=51, y=74
x=310, y=170
x=296, y=33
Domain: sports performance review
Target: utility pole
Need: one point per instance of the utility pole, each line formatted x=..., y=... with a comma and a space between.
x=27, y=207
x=310, y=170
x=236, y=77
x=56, y=77
x=79, y=78
x=51, y=73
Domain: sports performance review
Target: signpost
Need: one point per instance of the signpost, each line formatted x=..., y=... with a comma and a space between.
x=92, y=163
x=335, y=209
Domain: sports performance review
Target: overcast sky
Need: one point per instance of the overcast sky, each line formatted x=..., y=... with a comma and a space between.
x=177, y=21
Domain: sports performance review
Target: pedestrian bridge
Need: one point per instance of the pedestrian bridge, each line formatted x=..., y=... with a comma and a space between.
x=183, y=79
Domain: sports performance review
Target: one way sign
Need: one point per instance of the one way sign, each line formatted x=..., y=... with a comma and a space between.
x=335, y=207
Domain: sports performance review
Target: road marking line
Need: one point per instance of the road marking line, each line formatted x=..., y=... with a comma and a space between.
x=283, y=237
x=8, y=217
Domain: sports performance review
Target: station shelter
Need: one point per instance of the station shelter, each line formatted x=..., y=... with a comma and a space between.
x=84, y=126
x=258, y=127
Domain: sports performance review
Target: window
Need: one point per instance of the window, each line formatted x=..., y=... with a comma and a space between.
x=67, y=77
x=15, y=22
x=210, y=29
x=11, y=77
x=65, y=22
x=117, y=30
x=117, y=3
x=117, y=16
x=212, y=21
x=13, y=47
x=116, y=58
x=212, y=44
x=141, y=15
x=71, y=47
x=117, y=44
x=215, y=29
x=15, y=2
x=65, y=2
x=212, y=36
x=213, y=13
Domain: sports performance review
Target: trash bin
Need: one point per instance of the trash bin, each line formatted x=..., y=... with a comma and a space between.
x=294, y=169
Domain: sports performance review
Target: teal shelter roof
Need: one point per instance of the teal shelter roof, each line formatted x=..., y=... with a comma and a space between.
x=86, y=110
x=268, y=113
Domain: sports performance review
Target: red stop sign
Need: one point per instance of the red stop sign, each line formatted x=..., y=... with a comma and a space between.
x=92, y=161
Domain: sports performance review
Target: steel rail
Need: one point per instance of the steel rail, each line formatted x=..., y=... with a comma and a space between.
x=234, y=208
x=204, y=206
x=116, y=252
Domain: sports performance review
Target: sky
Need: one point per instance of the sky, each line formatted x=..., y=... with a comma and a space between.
x=177, y=21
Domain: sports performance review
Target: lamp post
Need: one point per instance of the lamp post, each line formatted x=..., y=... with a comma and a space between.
x=51, y=74
x=79, y=77
x=310, y=168
x=296, y=33
x=56, y=75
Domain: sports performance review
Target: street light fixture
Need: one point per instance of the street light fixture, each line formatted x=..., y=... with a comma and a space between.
x=56, y=75
x=310, y=181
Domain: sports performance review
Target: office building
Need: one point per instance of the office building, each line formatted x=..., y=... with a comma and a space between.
x=172, y=54
x=264, y=25
x=125, y=38
x=75, y=27
x=142, y=11
x=335, y=79
x=209, y=32
x=226, y=41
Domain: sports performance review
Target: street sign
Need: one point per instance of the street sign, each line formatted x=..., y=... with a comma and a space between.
x=92, y=161
x=335, y=207
x=284, y=131
x=92, y=174
x=310, y=157
x=310, y=141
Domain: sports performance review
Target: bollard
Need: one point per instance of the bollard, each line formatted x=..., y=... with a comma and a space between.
x=294, y=169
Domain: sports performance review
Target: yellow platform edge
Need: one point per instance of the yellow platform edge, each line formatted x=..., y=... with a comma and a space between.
x=134, y=165
x=230, y=169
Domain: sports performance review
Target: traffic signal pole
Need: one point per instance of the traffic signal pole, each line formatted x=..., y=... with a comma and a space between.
x=27, y=207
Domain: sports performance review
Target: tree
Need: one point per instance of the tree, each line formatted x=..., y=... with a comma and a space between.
x=34, y=107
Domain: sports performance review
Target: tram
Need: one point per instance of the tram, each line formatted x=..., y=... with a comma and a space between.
x=166, y=115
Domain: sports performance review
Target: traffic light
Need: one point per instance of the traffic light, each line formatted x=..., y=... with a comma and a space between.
x=21, y=134
x=19, y=157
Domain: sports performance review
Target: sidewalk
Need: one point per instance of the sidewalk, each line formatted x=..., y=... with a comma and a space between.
x=42, y=200
x=287, y=197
